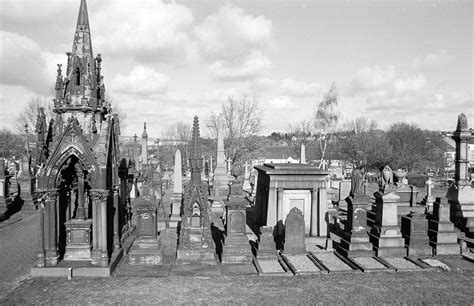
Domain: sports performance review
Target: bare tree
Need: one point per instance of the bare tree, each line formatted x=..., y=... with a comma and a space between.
x=11, y=145
x=29, y=115
x=181, y=132
x=242, y=123
x=364, y=146
x=300, y=132
x=410, y=145
x=326, y=118
x=116, y=109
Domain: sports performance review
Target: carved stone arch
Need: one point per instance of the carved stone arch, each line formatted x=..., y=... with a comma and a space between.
x=54, y=168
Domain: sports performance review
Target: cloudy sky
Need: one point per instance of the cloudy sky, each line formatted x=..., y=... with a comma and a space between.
x=168, y=61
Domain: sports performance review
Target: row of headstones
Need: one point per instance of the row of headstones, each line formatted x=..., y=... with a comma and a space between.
x=420, y=234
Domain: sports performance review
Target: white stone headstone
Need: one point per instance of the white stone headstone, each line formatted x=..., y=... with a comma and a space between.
x=303, y=154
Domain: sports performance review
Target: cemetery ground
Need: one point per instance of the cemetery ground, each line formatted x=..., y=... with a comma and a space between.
x=17, y=287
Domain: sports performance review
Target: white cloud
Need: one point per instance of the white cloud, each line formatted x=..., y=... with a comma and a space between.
x=300, y=89
x=283, y=103
x=25, y=63
x=230, y=33
x=432, y=60
x=147, y=31
x=378, y=83
x=234, y=43
x=249, y=67
x=142, y=81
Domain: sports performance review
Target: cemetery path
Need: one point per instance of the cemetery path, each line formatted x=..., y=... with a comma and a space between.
x=18, y=243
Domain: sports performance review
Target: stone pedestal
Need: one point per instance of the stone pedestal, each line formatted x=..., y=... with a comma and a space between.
x=407, y=194
x=237, y=246
x=27, y=185
x=415, y=232
x=443, y=236
x=461, y=198
x=175, y=217
x=355, y=241
x=385, y=234
x=146, y=248
x=78, y=240
x=267, y=245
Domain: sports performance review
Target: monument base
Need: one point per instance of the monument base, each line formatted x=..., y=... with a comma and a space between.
x=236, y=250
x=355, y=246
x=145, y=251
x=78, y=242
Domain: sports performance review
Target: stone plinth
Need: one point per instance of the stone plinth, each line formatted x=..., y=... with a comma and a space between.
x=443, y=236
x=461, y=199
x=355, y=240
x=78, y=240
x=385, y=234
x=415, y=232
x=175, y=217
x=267, y=245
x=27, y=185
x=146, y=248
x=237, y=246
x=407, y=194
x=294, y=232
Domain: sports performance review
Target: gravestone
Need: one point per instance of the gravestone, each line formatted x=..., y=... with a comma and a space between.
x=355, y=240
x=415, y=231
x=294, y=232
x=385, y=234
x=146, y=247
x=428, y=200
x=443, y=235
x=267, y=245
x=344, y=190
x=237, y=248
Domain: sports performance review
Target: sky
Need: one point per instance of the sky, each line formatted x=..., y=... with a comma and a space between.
x=167, y=61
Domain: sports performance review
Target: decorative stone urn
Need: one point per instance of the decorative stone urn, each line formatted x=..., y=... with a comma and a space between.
x=400, y=174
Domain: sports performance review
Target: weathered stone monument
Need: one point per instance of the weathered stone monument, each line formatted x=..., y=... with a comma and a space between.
x=355, y=239
x=294, y=232
x=461, y=194
x=177, y=198
x=77, y=170
x=267, y=245
x=237, y=246
x=344, y=191
x=26, y=179
x=385, y=234
x=220, y=173
x=195, y=239
x=443, y=235
x=146, y=247
x=415, y=231
x=428, y=200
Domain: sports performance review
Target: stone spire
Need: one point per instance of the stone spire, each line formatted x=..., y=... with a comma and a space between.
x=195, y=159
x=461, y=136
x=144, y=146
x=81, y=89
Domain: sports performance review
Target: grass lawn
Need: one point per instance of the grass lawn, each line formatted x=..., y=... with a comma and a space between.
x=349, y=288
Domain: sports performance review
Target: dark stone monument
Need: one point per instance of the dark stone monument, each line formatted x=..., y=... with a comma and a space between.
x=443, y=235
x=415, y=231
x=294, y=232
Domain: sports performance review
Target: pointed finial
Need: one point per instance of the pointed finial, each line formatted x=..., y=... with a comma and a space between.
x=83, y=17
x=144, y=135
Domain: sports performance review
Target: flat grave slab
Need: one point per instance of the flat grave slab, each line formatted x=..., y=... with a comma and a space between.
x=272, y=266
x=333, y=263
x=401, y=264
x=238, y=269
x=302, y=264
x=142, y=270
x=370, y=264
x=195, y=270
x=457, y=262
x=433, y=262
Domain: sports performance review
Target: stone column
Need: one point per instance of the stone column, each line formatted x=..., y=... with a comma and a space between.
x=50, y=197
x=41, y=256
x=272, y=207
x=99, y=226
x=279, y=206
x=144, y=146
x=80, y=213
x=322, y=210
x=314, y=212
x=116, y=218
